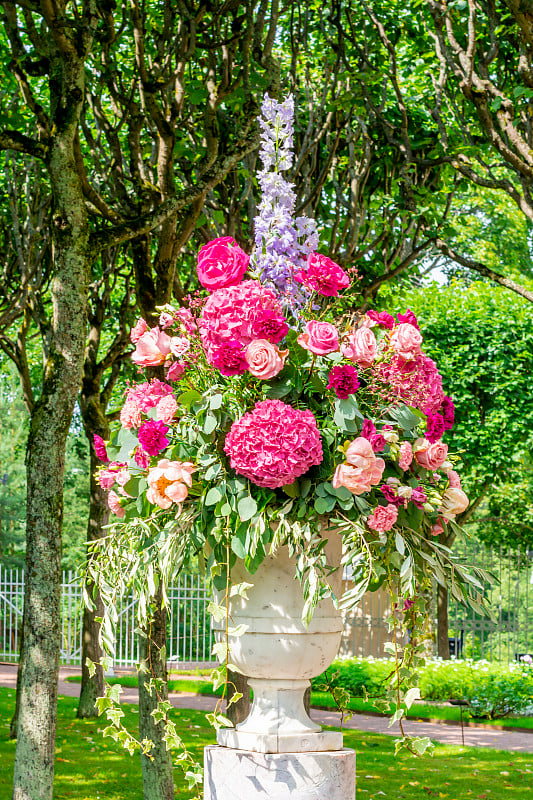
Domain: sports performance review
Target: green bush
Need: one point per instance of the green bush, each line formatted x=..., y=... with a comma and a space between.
x=492, y=690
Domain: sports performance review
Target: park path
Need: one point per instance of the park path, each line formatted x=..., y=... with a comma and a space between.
x=520, y=741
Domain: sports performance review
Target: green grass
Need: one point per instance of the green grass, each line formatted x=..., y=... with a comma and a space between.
x=324, y=699
x=89, y=767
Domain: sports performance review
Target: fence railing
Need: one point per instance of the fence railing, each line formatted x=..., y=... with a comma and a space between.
x=190, y=637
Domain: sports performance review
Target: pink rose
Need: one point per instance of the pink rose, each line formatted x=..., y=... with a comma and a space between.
x=166, y=408
x=383, y=518
x=108, y=475
x=362, y=469
x=130, y=414
x=175, y=371
x=138, y=329
x=406, y=455
x=319, y=338
x=179, y=345
x=323, y=275
x=361, y=347
x=453, y=479
x=152, y=348
x=168, y=483
x=265, y=360
x=165, y=320
x=406, y=340
x=437, y=529
x=113, y=501
x=454, y=501
x=221, y=263
x=428, y=455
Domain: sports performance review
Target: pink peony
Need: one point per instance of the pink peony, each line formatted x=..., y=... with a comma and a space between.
x=362, y=469
x=130, y=414
x=99, y=448
x=168, y=483
x=405, y=340
x=382, y=318
x=138, y=329
x=383, y=518
x=166, y=408
x=238, y=313
x=152, y=436
x=319, y=338
x=406, y=455
x=430, y=455
x=221, y=263
x=175, y=371
x=454, y=501
x=343, y=380
x=113, y=501
x=323, y=275
x=274, y=444
x=152, y=348
x=265, y=360
x=361, y=346
x=410, y=318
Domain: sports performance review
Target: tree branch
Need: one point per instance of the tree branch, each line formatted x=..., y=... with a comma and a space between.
x=14, y=140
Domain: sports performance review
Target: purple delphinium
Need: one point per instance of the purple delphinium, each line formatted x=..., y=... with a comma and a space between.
x=282, y=242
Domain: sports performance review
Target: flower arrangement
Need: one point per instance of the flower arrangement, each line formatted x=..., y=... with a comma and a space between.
x=269, y=404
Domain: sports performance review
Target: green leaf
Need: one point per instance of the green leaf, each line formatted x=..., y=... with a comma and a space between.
x=213, y=496
x=188, y=398
x=247, y=508
x=412, y=695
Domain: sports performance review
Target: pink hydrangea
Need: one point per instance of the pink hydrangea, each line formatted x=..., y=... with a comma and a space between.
x=383, y=518
x=240, y=313
x=274, y=444
x=148, y=395
x=416, y=382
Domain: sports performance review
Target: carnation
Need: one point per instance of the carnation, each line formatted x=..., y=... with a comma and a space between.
x=382, y=318
x=383, y=518
x=99, y=448
x=343, y=380
x=152, y=436
x=435, y=427
x=274, y=444
x=230, y=358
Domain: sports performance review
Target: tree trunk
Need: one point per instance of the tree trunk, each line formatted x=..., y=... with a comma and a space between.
x=93, y=687
x=15, y=718
x=237, y=712
x=158, y=782
x=45, y=454
x=443, y=644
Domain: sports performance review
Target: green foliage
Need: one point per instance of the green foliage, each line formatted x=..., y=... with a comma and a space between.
x=13, y=433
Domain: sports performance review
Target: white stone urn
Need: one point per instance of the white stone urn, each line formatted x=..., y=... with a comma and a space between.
x=280, y=655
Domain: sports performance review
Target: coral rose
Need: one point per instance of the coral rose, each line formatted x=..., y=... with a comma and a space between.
x=168, y=482
x=221, y=263
x=151, y=348
x=361, y=347
x=406, y=340
x=362, y=469
x=454, y=501
x=319, y=338
x=265, y=360
x=383, y=518
x=430, y=455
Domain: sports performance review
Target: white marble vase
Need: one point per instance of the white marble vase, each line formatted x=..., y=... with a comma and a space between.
x=280, y=655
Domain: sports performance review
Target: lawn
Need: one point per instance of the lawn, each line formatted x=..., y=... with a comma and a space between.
x=430, y=711
x=92, y=768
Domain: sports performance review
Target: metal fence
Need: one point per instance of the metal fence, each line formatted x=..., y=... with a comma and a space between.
x=189, y=639
x=505, y=638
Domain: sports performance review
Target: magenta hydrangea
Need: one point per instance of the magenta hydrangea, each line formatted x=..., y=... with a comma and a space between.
x=240, y=313
x=274, y=444
x=416, y=382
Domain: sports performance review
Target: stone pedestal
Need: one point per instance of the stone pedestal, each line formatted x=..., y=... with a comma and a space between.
x=241, y=775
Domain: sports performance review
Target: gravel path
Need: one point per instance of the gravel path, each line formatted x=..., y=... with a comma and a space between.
x=519, y=741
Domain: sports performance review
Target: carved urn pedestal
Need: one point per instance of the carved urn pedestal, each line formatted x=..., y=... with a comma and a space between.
x=278, y=752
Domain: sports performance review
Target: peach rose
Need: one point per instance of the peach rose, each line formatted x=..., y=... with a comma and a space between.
x=319, y=338
x=151, y=349
x=406, y=340
x=138, y=329
x=265, y=360
x=454, y=501
x=430, y=456
x=361, y=347
x=168, y=482
x=362, y=469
